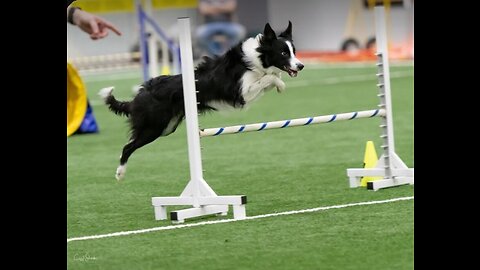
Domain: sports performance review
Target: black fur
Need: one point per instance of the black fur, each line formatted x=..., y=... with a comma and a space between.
x=118, y=107
x=161, y=99
x=159, y=102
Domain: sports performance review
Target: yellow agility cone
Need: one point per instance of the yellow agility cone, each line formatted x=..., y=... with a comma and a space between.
x=369, y=161
x=165, y=70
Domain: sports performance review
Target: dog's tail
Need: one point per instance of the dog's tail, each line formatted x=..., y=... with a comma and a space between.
x=118, y=107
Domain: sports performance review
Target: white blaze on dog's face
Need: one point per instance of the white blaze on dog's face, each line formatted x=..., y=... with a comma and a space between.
x=295, y=64
x=279, y=51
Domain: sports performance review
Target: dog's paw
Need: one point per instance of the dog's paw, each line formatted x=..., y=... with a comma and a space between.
x=280, y=86
x=120, y=173
x=106, y=92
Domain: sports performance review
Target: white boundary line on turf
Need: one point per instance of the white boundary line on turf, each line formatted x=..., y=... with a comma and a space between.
x=172, y=227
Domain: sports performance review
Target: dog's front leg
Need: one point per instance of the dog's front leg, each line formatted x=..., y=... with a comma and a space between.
x=254, y=90
x=272, y=80
x=281, y=85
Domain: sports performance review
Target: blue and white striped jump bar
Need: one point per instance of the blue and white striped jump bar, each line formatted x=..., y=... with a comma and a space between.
x=290, y=123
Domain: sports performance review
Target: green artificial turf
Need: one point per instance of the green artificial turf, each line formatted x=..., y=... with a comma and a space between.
x=279, y=170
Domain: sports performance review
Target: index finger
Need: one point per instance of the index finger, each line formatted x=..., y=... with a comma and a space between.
x=112, y=27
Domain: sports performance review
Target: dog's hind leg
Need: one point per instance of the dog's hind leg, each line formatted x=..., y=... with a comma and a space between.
x=137, y=140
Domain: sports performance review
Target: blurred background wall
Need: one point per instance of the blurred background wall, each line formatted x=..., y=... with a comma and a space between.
x=319, y=25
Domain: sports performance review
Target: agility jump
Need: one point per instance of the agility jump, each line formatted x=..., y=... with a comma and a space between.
x=201, y=196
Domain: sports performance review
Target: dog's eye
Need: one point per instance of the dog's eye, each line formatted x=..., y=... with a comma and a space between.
x=284, y=53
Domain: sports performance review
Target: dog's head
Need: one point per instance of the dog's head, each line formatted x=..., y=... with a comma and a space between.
x=279, y=51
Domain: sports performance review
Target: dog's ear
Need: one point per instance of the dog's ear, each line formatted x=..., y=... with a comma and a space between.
x=268, y=32
x=287, y=34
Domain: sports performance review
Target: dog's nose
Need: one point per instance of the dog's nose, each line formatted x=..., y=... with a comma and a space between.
x=300, y=66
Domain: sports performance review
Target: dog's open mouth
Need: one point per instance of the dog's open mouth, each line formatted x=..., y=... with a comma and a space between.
x=291, y=72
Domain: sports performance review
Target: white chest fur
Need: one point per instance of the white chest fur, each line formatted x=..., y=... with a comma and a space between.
x=250, y=86
x=254, y=84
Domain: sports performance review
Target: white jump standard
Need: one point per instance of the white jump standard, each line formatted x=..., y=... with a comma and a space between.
x=197, y=192
x=389, y=164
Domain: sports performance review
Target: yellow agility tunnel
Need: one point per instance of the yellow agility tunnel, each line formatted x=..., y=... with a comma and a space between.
x=80, y=117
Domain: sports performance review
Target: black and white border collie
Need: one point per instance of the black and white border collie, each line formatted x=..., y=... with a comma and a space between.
x=233, y=80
